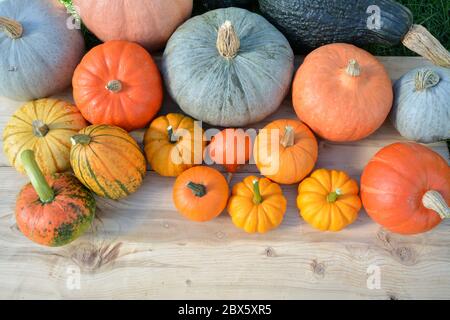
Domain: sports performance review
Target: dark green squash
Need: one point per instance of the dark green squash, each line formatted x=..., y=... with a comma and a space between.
x=216, y=4
x=309, y=24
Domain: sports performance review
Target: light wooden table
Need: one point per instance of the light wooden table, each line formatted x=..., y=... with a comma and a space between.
x=142, y=248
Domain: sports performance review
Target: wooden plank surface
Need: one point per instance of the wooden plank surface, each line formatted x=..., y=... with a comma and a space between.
x=141, y=247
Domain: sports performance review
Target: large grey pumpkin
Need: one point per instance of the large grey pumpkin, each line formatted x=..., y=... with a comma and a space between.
x=38, y=51
x=228, y=67
x=421, y=109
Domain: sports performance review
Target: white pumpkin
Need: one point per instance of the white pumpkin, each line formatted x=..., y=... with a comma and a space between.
x=228, y=67
x=421, y=110
x=38, y=51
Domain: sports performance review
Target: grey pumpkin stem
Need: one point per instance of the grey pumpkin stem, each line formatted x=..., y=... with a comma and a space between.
x=433, y=200
x=82, y=139
x=40, y=129
x=114, y=86
x=426, y=79
x=228, y=42
x=11, y=28
x=288, y=139
x=353, y=68
x=422, y=42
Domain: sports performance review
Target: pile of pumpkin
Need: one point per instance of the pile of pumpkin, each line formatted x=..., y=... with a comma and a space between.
x=228, y=68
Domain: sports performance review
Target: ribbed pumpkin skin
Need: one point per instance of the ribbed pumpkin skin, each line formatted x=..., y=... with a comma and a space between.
x=168, y=158
x=147, y=22
x=42, y=61
x=335, y=105
x=314, y=206
x=394, y=182
x=52, y=151
x=63, y=220
x=228, y=92
x=141, y=95
x=310, y=24
x=111, y=165
x=424, y=115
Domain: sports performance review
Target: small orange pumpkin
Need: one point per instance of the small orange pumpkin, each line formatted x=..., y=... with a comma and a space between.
x=173, y=143
x=200, y=193
x=328, y=200
x=285, y=151
x=118, y=83
x=257, y=205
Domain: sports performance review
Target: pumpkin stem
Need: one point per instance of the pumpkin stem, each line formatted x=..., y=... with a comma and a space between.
x=353, y=68
x=199, y=190
x=257, y=198
x=228, y=42
x=114, y=86
x=288, y=139
x=40, y=129
x=172, y=137
x=422, y=42
x=433, y=200
x=333, y=196
x=426, y=79
x=11, y=28
x=37, y=179
x=81, y=139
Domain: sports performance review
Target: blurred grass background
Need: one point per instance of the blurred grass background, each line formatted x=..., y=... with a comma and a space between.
x=433, y=14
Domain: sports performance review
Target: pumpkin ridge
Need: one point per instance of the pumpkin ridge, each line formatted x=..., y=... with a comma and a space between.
x=94, y=177
x=263, y=71
x=18, y=118
x=133, y=143
x=34, y=141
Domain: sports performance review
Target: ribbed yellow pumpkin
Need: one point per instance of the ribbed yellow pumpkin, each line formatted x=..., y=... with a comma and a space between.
x=107, y=160
x=45, y=127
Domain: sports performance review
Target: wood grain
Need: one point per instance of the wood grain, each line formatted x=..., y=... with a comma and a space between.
x=141, y=247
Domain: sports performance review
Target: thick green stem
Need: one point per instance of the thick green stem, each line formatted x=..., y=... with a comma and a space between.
x=434, y=200
x=199, y=190
x=40, y=129
x=11, y=28
x=353, y=68
x=333, y=196
x=81, y=139
x=37, y=179
x=257, y=198
x=172, y=137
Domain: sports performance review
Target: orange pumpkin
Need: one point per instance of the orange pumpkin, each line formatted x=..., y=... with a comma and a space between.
x=342, y=92
x=200, y=193
x=406, y=188
x=257, y=205
x=118, y=83
x=231, y=148
x=285, y=151
x=173, y=143
x=328, y=200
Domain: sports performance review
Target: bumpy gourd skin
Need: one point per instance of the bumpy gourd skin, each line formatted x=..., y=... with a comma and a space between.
x=309, y=24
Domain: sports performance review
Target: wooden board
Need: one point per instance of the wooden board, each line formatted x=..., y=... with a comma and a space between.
x=142, y=248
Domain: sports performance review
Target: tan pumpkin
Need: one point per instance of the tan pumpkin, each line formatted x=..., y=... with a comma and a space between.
x=45, y=127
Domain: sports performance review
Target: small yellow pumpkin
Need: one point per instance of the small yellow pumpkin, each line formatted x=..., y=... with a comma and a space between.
x=257, y=205
x=328, y=200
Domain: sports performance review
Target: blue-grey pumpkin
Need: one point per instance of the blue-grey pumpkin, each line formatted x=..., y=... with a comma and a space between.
x=228, y=67
x=38, y=49
x=421, y=109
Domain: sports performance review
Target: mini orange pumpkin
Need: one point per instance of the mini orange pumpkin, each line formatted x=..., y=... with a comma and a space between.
x=200, y=193
x=342, y=92
x=285, y=151
x=118, y=83
x=257, y=205
x=328, y=200
x=173, y=143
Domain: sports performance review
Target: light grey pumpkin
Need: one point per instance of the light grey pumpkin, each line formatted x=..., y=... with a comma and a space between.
x=38, y=51
x=228, y=67
x=421, y=110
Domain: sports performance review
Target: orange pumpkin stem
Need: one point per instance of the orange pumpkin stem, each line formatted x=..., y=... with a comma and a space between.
x=114, y=86
x=228, y=42
x=199, y=190
x=11, y=28
x=81, y=139
x=333, y=196
x=434, y=200
x=257, y=198
x=37, y=179
x=426, y=79
x=172, y=137
x=288, y=139
x=353, y=68
x=40, y=129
